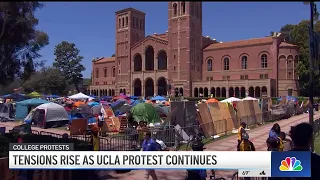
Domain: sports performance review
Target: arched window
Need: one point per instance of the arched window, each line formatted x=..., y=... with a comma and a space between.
x=123, y=22
x=183, y=5
x=113, y=72
x=264, y=61
x=175, y=9
x=226, y=64
x=105, y=72
x=209, y=65
x=127, y=21
x=119, y=22
x=97, y=73
x=244, y=60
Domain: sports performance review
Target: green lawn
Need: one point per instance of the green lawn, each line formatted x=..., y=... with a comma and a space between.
x=317, y=145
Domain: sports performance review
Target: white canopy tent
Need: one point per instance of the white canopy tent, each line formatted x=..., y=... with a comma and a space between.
x=80, y=96
x=249, y=99
x=231, y=99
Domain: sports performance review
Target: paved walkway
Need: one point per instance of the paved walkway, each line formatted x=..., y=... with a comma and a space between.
x=258, y=136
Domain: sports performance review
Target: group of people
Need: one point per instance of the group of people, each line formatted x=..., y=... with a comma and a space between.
x=301, y=139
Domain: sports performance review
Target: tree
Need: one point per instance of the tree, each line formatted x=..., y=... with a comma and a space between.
x=68, y=61
x=48, y=80
x=19, y=39
x=298, y=34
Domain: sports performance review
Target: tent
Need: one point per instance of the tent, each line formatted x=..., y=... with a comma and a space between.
x=249, y=99
x=158, y=98
x=80, y=96
x=7, y=111
x=231, y=99
x=145, y=112
x=14, y=96
x=49, y=112
x=24, y=107
x=212, y=100
x=34, y=94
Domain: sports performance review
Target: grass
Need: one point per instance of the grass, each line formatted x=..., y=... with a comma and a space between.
x=317, y=145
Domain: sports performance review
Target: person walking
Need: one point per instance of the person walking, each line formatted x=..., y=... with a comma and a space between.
x=241, y=131
x=150, y=145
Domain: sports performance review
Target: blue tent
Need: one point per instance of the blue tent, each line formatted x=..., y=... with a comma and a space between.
x=158, y=98
x=53, y=96
x=289, y=98
x=15, y=96
x=134, y=97
x=135, y=102
x=22, y=108
x=93, y=104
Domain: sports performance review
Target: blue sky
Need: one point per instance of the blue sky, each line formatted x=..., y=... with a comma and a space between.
x=91, y=25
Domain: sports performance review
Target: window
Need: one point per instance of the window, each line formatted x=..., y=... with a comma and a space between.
x=105, y=72
x=211, y=78
x=226, y=64
x=175, y=9
x=174, y=56
x=264, y=61
x=119, y=22
x=209, y=65
x=226, y=78
x=123, y=22
x=127, y=21
x=244, y=60
x=264, y=76
x=244, y=77
x=113, y=72
x=183, y=5
x=174, y=68
x=290, y=92
x=97, y=73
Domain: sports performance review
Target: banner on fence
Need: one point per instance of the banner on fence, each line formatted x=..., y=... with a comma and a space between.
x=249, y=164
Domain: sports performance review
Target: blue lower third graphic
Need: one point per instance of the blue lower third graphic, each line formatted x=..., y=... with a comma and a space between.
x=291, y=164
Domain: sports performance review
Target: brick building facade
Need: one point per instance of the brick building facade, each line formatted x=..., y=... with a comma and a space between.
x=182, y=61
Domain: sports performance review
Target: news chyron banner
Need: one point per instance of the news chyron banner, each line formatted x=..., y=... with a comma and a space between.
x=248, y=163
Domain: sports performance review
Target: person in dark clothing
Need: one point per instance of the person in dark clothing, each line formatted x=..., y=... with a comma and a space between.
x=302, y=137
x=272, y=144
x=197, y=145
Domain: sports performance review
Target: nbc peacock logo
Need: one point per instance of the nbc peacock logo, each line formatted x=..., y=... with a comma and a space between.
x=290, y=164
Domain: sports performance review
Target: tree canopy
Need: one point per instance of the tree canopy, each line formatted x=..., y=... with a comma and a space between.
x=298, y=34
x=20, y=42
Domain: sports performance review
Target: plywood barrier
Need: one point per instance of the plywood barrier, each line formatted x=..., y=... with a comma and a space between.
x=206, y=122
x=111, y=124
x=7, y=174
x=225, y=114
x=78, y=126
x=251, y=120
x=258, y=112
x=215, y=111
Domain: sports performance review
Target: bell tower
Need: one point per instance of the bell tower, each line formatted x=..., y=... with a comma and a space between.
x=130, y=28
x=185, y=43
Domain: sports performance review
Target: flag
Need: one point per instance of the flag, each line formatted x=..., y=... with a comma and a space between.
x=314, y=40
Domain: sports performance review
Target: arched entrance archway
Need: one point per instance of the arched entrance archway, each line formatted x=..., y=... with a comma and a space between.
x=237, y=92
x=218, y=92
x=110, y=93
x=162, y=86
x=149, y=59
x=120, y=91
x=223, y=92
x=213, y=92
x=196, y=92
x=181, y=91
x=251, y=91
x=257, y=92
x=264, y=91
x=231, y=92
x=113, y=92
x=176, y=92
x=124, y=91
x=149, y=87
x=243, y=92
x=201, y=92
x=206, y=92
x=137, y=90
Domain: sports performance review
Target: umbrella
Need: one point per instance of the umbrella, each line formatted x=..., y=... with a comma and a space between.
x=118, y=104
x=134, y=97
x=212, y=100
x=34, y=94
x=145, y=112
x=158, y=98
x=93, y=103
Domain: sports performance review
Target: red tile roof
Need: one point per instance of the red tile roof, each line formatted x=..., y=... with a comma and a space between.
x=163, y=36
x=284, y=44
x=240, y=43
x=105, y=59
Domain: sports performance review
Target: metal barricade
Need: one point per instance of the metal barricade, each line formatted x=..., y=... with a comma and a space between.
x=50, y=134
